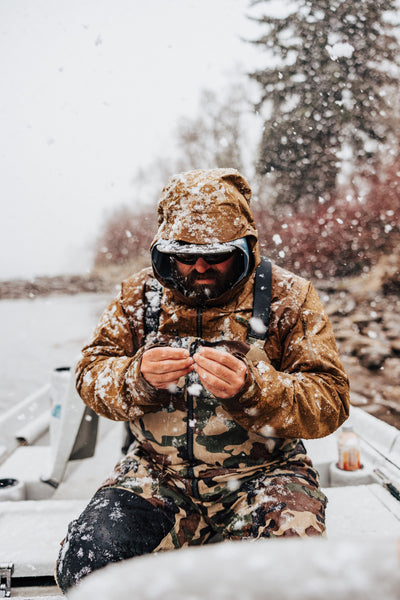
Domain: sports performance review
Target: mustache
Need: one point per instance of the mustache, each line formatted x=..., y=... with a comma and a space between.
x=205, y=275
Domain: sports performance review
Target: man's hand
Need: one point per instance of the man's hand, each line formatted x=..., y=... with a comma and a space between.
x=164, y=366
x=221, y=373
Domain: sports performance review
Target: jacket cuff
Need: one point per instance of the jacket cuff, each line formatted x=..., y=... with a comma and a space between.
x=144, y=396
x=247, y=396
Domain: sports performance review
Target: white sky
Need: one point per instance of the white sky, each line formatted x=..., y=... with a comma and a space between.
x=91, y=90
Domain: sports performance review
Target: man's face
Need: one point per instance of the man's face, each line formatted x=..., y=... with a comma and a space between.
x=205, y=281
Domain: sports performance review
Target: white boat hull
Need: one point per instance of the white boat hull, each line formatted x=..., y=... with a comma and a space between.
x=361, y=509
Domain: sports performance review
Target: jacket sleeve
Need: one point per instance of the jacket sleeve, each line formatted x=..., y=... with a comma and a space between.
x=108, y=376
x=308, y=396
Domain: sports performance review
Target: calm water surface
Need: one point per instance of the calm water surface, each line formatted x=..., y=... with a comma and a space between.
x=39, y=335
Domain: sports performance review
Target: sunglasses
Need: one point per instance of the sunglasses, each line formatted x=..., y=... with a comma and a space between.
x=210, y=259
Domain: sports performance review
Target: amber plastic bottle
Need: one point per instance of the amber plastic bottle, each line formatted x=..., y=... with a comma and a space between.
x=348, y=450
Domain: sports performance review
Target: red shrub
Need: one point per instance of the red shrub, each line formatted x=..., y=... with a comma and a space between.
x=340, y=239
x=126, y=236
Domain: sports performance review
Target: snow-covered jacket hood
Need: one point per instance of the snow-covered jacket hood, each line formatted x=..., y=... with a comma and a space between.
x=205, y=207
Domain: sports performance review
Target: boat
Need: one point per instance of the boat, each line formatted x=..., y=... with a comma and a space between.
x=54, y=452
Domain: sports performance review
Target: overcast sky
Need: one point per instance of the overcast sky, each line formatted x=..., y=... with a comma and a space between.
x=91, y=90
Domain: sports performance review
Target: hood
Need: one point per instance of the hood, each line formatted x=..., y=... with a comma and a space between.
x=210, y=207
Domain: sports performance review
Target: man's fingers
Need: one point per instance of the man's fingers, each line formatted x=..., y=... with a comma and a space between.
x=212, y=367
x=223, y=365
x=218, y=387
x=221, y=373
x=215, y=379
x=164, y=380
x=219, y=356
x=167, y=379
x=162, y=366
x=166, y=366
x=161, y=353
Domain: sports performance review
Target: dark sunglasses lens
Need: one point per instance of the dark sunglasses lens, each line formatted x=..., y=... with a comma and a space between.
x=186, y=259
x=214, y=259
x=210, y=259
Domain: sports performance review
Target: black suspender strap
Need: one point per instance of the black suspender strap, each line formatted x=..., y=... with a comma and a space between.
x=258, y=328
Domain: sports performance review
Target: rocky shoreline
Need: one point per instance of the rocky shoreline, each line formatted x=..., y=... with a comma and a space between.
x=367, y=332
x=365, y=315
x=46, y=286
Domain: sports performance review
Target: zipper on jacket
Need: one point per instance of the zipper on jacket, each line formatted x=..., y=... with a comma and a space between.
x=199, y=322
x=190, y=414
x=189, y=437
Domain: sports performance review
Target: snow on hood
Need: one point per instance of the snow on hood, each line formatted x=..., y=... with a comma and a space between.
x=207, y=207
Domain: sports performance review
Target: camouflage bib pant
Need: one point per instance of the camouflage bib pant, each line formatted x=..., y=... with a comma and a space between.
x=146, y=508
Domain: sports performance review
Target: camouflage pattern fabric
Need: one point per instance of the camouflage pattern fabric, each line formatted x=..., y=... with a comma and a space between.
x=248, y=486
x=280, y=499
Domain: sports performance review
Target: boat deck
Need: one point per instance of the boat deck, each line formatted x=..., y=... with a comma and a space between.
x=31, y=531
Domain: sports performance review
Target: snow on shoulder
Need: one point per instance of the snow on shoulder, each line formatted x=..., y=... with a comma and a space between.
x=290, y=569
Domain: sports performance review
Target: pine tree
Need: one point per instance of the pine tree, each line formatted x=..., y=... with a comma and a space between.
x=326, y=93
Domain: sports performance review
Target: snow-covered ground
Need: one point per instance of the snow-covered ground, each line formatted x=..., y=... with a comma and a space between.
x=39, y=335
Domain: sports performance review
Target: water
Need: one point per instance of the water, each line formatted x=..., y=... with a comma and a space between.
x=39, y=335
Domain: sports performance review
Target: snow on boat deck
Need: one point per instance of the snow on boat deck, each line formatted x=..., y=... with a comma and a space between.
x=364, y=516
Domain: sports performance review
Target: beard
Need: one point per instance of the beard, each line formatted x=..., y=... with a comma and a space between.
x=192, y=288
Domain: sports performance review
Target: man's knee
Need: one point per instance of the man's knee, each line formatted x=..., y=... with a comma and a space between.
x=280, y=506
x=115, y=525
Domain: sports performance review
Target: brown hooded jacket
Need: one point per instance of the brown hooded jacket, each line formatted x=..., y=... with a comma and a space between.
x=296, y=386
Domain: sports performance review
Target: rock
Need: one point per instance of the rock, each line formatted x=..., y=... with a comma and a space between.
x=395, y=345
x=342, y=304
x=392, y=396
x=391, y=326
x=361, y=319
x=358, y=399
x=383, y=277
x=345, y=333
x=373, y=355
x=352, y=362
x=353, y=344
x=361, y=380
x=391, y=369
x=374, y=331
x=370, y=353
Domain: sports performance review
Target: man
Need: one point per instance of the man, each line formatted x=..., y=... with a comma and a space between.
x=217, y=421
